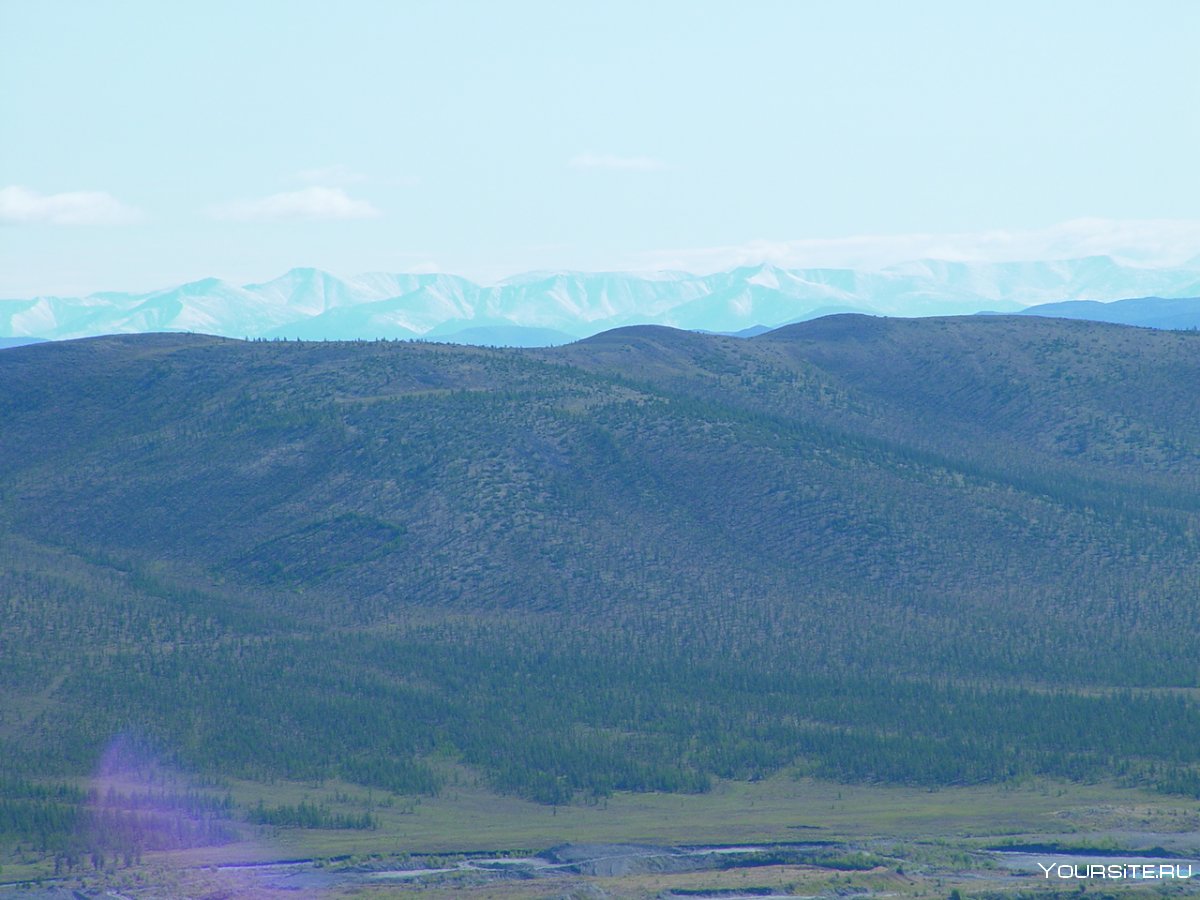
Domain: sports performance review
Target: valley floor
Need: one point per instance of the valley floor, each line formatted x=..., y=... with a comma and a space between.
x=780, y=837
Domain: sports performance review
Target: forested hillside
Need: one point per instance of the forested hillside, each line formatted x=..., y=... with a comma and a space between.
x=925, y=551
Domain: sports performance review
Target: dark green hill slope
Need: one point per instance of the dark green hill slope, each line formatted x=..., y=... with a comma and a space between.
x=1101, y=395
x=930, y=551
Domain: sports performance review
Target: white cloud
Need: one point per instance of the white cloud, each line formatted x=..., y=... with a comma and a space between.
x=616, y=163
x=21, y=205
x=1147, y=242
x=313, y=203
x=339, y=175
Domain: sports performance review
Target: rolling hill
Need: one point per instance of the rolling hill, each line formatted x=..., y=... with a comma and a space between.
x=1177, y=313
x=932, y=551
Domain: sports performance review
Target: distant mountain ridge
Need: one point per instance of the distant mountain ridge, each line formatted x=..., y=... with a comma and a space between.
x=313, y=304
x=6, y=342
x=1148, y=312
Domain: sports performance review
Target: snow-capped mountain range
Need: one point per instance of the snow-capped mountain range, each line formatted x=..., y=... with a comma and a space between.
x=555, y=307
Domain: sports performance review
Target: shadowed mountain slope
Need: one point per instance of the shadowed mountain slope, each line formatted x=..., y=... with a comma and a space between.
x=833, y=533
x=1146, y=312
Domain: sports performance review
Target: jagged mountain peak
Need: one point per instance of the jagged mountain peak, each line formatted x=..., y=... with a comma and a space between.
x=318, y=303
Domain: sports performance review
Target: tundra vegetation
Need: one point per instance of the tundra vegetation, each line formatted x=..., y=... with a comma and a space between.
x=925, y=553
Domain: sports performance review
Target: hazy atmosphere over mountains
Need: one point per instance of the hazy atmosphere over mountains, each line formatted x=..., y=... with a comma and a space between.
x=544, y=308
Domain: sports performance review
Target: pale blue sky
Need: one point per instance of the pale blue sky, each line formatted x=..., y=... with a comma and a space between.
x=238, y=139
